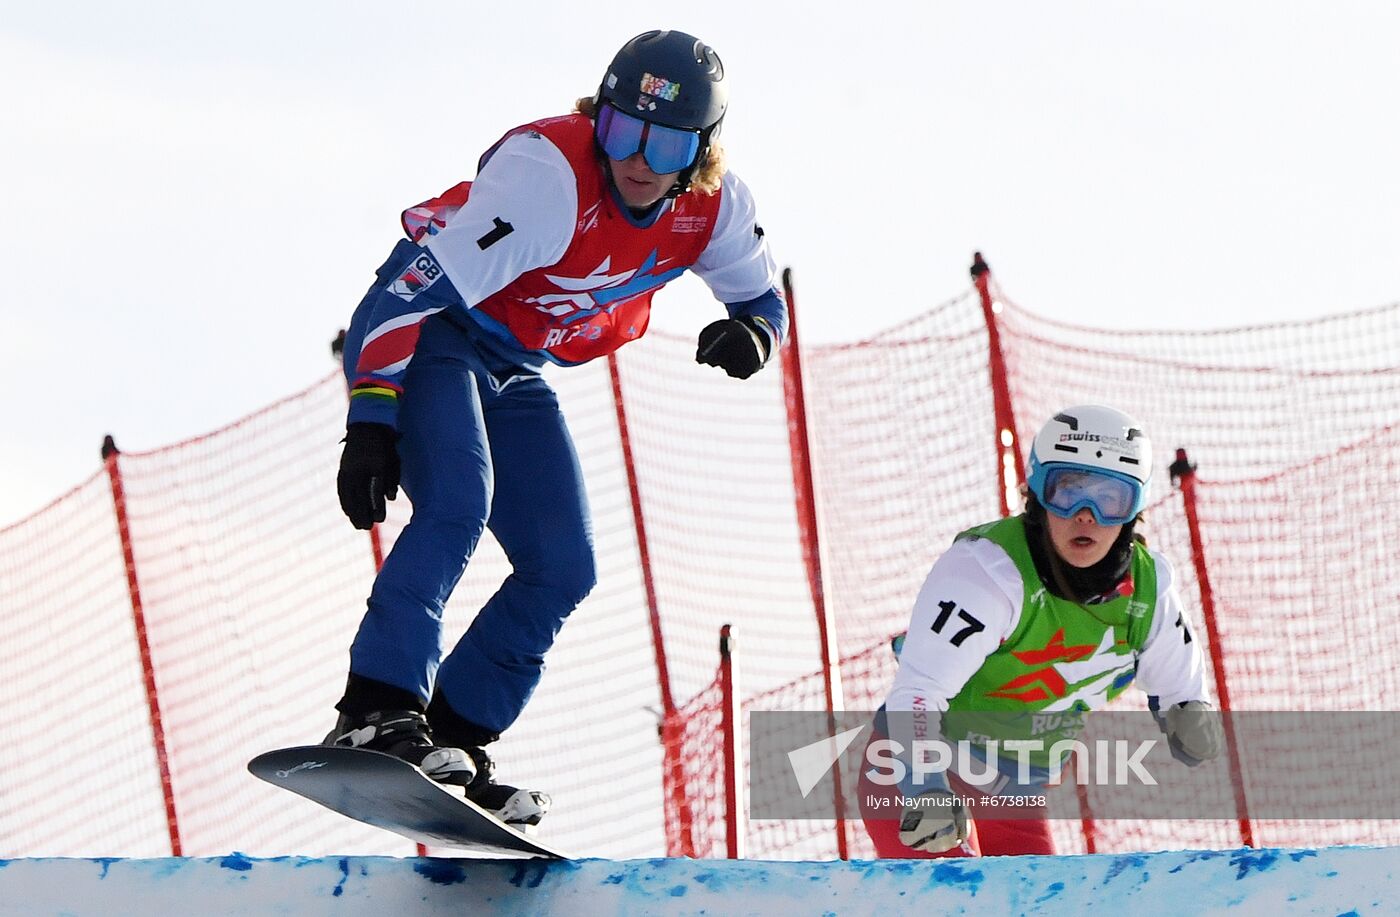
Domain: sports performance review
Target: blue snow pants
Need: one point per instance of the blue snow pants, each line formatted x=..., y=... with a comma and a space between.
x=482, y=445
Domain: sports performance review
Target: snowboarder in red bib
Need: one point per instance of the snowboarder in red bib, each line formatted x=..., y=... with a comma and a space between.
x=1040, y=617
x=552, y=254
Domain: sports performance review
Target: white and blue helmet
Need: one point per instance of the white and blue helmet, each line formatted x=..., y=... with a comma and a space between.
x=1092, y=457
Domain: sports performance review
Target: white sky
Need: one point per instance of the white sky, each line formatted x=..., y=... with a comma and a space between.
x=193, y=198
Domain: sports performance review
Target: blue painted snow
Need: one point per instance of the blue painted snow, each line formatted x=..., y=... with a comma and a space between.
x=1332, y=881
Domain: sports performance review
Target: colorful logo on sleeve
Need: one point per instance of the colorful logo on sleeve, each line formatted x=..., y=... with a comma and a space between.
x=416, y=278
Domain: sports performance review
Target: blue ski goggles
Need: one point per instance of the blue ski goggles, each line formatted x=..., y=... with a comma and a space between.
x=1064, y=490
x=665, y=149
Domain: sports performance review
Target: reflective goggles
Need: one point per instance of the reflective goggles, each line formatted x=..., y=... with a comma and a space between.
x=665, y=149
x=1113, y=499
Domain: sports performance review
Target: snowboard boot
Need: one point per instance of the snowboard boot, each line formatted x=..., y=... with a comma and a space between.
x=512, y=805
x=404, y=734
x=516, y=807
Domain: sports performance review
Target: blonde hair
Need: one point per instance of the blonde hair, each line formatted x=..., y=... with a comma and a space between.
x=706, y=178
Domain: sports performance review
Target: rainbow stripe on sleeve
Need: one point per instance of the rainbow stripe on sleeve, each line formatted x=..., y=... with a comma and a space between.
x=376, y=390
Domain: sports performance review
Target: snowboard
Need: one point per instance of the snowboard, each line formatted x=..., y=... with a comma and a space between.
x=390, y=793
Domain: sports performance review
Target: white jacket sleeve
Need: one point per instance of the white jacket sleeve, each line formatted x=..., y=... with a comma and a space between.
x=969, y=604
x=736, y=264
x=1170, y=665
x=520, y=216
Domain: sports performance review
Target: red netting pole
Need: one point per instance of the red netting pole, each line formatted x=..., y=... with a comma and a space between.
x=734, y=810
x=114, y=477
x=1086, y=819
x=376, y=547
x=1183, y=473
x=1010, y=470
x=805, y=490
x=670, y=749
x=1011, y=473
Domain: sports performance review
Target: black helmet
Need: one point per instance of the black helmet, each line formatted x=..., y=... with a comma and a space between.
x=668, y=78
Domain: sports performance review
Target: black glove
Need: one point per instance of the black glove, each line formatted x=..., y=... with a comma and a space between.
x=369, y=472
x=736, y=345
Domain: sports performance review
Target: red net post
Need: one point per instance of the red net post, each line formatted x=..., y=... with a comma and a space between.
x=70, y=652
x=696, y=778
x=804, y=487
x=735, y=810
x=111, y=461
x=376, y=546
x=1302, y=572
x=1010, y=468
x=685, y=844
x=252, y=584
x=1086, y=820
x=1184, y=476
x=1010, y=471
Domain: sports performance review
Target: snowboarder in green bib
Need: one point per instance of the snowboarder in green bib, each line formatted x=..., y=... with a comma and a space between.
x=1054, y=611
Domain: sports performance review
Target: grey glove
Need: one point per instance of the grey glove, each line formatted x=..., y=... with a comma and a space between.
x=933, y=822
x=1194, y=732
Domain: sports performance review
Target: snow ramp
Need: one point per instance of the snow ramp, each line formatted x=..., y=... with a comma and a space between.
x=1331, y=881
